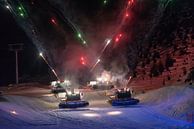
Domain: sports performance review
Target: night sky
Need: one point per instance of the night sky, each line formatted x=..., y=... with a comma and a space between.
x=29, y=61
x=65, y=30
x=92, y=18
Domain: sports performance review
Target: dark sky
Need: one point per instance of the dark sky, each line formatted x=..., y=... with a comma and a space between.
x=29, y=61
x=30, y=64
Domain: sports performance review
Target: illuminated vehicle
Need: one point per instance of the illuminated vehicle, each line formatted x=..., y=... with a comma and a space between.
x=72, y=99
x=122, y=97
x=58, y=87
x=69, y=98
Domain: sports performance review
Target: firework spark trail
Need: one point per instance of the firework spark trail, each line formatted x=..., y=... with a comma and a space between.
x=159, y=14
x=69, y=22
x=120, y=25
x=72, y=25
x=13, y=11
x=66, y=20
x=57, y=11
x=9, y=7
x=124, y=18
x=94, y=65
x=49, y=66
x=165, y=3
x=108, y=41
x=31, y=29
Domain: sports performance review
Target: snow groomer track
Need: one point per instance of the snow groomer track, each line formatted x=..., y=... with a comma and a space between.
x=28, y=111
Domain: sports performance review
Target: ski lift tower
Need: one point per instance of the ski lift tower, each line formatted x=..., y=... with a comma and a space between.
x=16, y=48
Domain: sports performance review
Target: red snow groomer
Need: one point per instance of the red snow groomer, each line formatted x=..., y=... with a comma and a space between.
x=72, y=99
x=122, y=97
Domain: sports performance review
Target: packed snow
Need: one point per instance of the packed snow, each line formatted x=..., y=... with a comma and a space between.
x=174, y=101
x=154, y=112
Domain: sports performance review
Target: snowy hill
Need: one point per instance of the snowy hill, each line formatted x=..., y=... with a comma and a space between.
x=175, y=101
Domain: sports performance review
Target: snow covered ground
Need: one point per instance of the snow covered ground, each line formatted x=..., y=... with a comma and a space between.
x=174, y=101
x=41, y=112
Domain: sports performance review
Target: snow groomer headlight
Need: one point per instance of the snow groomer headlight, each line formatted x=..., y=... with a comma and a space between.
x=69, y=93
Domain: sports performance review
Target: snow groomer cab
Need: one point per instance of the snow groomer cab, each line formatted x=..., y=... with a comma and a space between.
x=122, y=97
x=72, y=98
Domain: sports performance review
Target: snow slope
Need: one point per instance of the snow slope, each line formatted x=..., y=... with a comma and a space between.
x=174, y=101
x=21, y=112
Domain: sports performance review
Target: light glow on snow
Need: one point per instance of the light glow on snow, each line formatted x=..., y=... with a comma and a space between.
x=114, y=113
x=91, y=115
x=47, y=95
x=13, y=112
